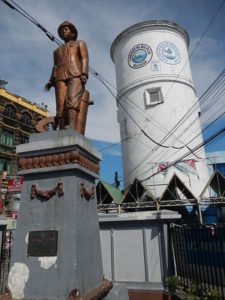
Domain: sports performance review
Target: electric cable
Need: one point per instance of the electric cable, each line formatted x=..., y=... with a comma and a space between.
x=135, y=122
x=207, y=141
x=198, y=43
x=141, y=129
x=216, y=97
x=148, y=154
x=199, y=102
x=196, y=104
x=212, y=119
x=188, y=114
x=95, y=73
x=209, y=122
x=208, y=91
x=31, y=19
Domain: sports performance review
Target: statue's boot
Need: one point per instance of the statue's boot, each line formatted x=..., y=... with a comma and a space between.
x=72, y=116
x=56, y=122
x=62, y=123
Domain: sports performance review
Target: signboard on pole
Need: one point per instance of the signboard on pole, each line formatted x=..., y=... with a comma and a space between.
x=14, y=185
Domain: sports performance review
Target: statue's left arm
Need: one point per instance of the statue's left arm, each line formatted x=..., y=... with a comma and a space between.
x=84, y=61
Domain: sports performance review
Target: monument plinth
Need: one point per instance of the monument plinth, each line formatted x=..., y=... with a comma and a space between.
x=57, y=245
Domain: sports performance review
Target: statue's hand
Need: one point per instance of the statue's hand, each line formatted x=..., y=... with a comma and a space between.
x=48, y=86
x=83, y=78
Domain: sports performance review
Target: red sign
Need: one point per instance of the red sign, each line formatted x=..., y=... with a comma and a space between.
x=15, y=185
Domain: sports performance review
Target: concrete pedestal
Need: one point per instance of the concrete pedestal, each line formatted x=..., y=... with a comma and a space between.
x=61, y=166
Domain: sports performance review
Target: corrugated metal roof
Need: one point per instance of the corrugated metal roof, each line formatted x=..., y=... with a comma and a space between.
x=137, y=192
x=217, y=183
x=170, y=192
x=114, y=193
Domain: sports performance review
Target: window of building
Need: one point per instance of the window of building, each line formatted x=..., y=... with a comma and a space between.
x=5, y=165
x=153, y=96
x=24, y=139
x=39, y=119
x=10, y=111
x=7, y=138
x=26, y=118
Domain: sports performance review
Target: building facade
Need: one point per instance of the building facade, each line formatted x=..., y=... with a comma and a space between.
x=18, y=117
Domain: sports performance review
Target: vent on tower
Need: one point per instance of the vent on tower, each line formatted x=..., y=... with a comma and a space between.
x=153, y=96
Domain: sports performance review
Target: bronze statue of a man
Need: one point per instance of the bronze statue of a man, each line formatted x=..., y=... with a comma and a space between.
x=69, y=75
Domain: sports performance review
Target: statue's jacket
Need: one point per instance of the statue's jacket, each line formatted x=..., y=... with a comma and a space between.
x=70, y=61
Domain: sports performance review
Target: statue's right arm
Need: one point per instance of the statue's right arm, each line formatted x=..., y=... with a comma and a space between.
x=50, y=83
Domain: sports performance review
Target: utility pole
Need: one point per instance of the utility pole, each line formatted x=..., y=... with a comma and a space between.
x=199, y=210
x=116, y=180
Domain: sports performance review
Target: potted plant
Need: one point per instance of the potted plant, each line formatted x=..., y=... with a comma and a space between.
x=172, y=285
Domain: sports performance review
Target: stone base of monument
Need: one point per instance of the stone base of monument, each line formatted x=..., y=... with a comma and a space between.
x=56, y=251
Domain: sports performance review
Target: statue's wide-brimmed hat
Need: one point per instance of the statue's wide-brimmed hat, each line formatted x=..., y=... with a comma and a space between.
x=70, y=25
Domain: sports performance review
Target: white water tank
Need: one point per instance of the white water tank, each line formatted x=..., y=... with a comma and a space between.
x=155, y=91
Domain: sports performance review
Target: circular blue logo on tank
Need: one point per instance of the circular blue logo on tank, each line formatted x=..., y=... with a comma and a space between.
x=168, y=53
x=139, y=56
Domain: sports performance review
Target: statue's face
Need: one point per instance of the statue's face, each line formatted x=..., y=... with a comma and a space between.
x=67, y=34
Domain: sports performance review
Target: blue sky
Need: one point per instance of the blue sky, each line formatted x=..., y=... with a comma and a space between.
x=26, y=53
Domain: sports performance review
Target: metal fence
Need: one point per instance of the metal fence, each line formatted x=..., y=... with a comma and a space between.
x=199, y=256
x=5, y=255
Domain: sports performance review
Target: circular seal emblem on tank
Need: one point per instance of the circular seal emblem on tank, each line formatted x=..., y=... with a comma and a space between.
x=139, y=56
x=168, y=53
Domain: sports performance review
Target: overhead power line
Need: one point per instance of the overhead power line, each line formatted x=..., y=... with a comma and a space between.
x=96, y=74
x=199, y=42
x=215, y=93
x=21, y=11
x=136, y=123
x=192, y=53
x=210, y=90
x=196, y=104
x=26, y=15
x=193, y=108
x=208, y=141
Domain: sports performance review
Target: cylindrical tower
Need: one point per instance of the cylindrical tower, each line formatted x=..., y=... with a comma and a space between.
x=156, y=92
